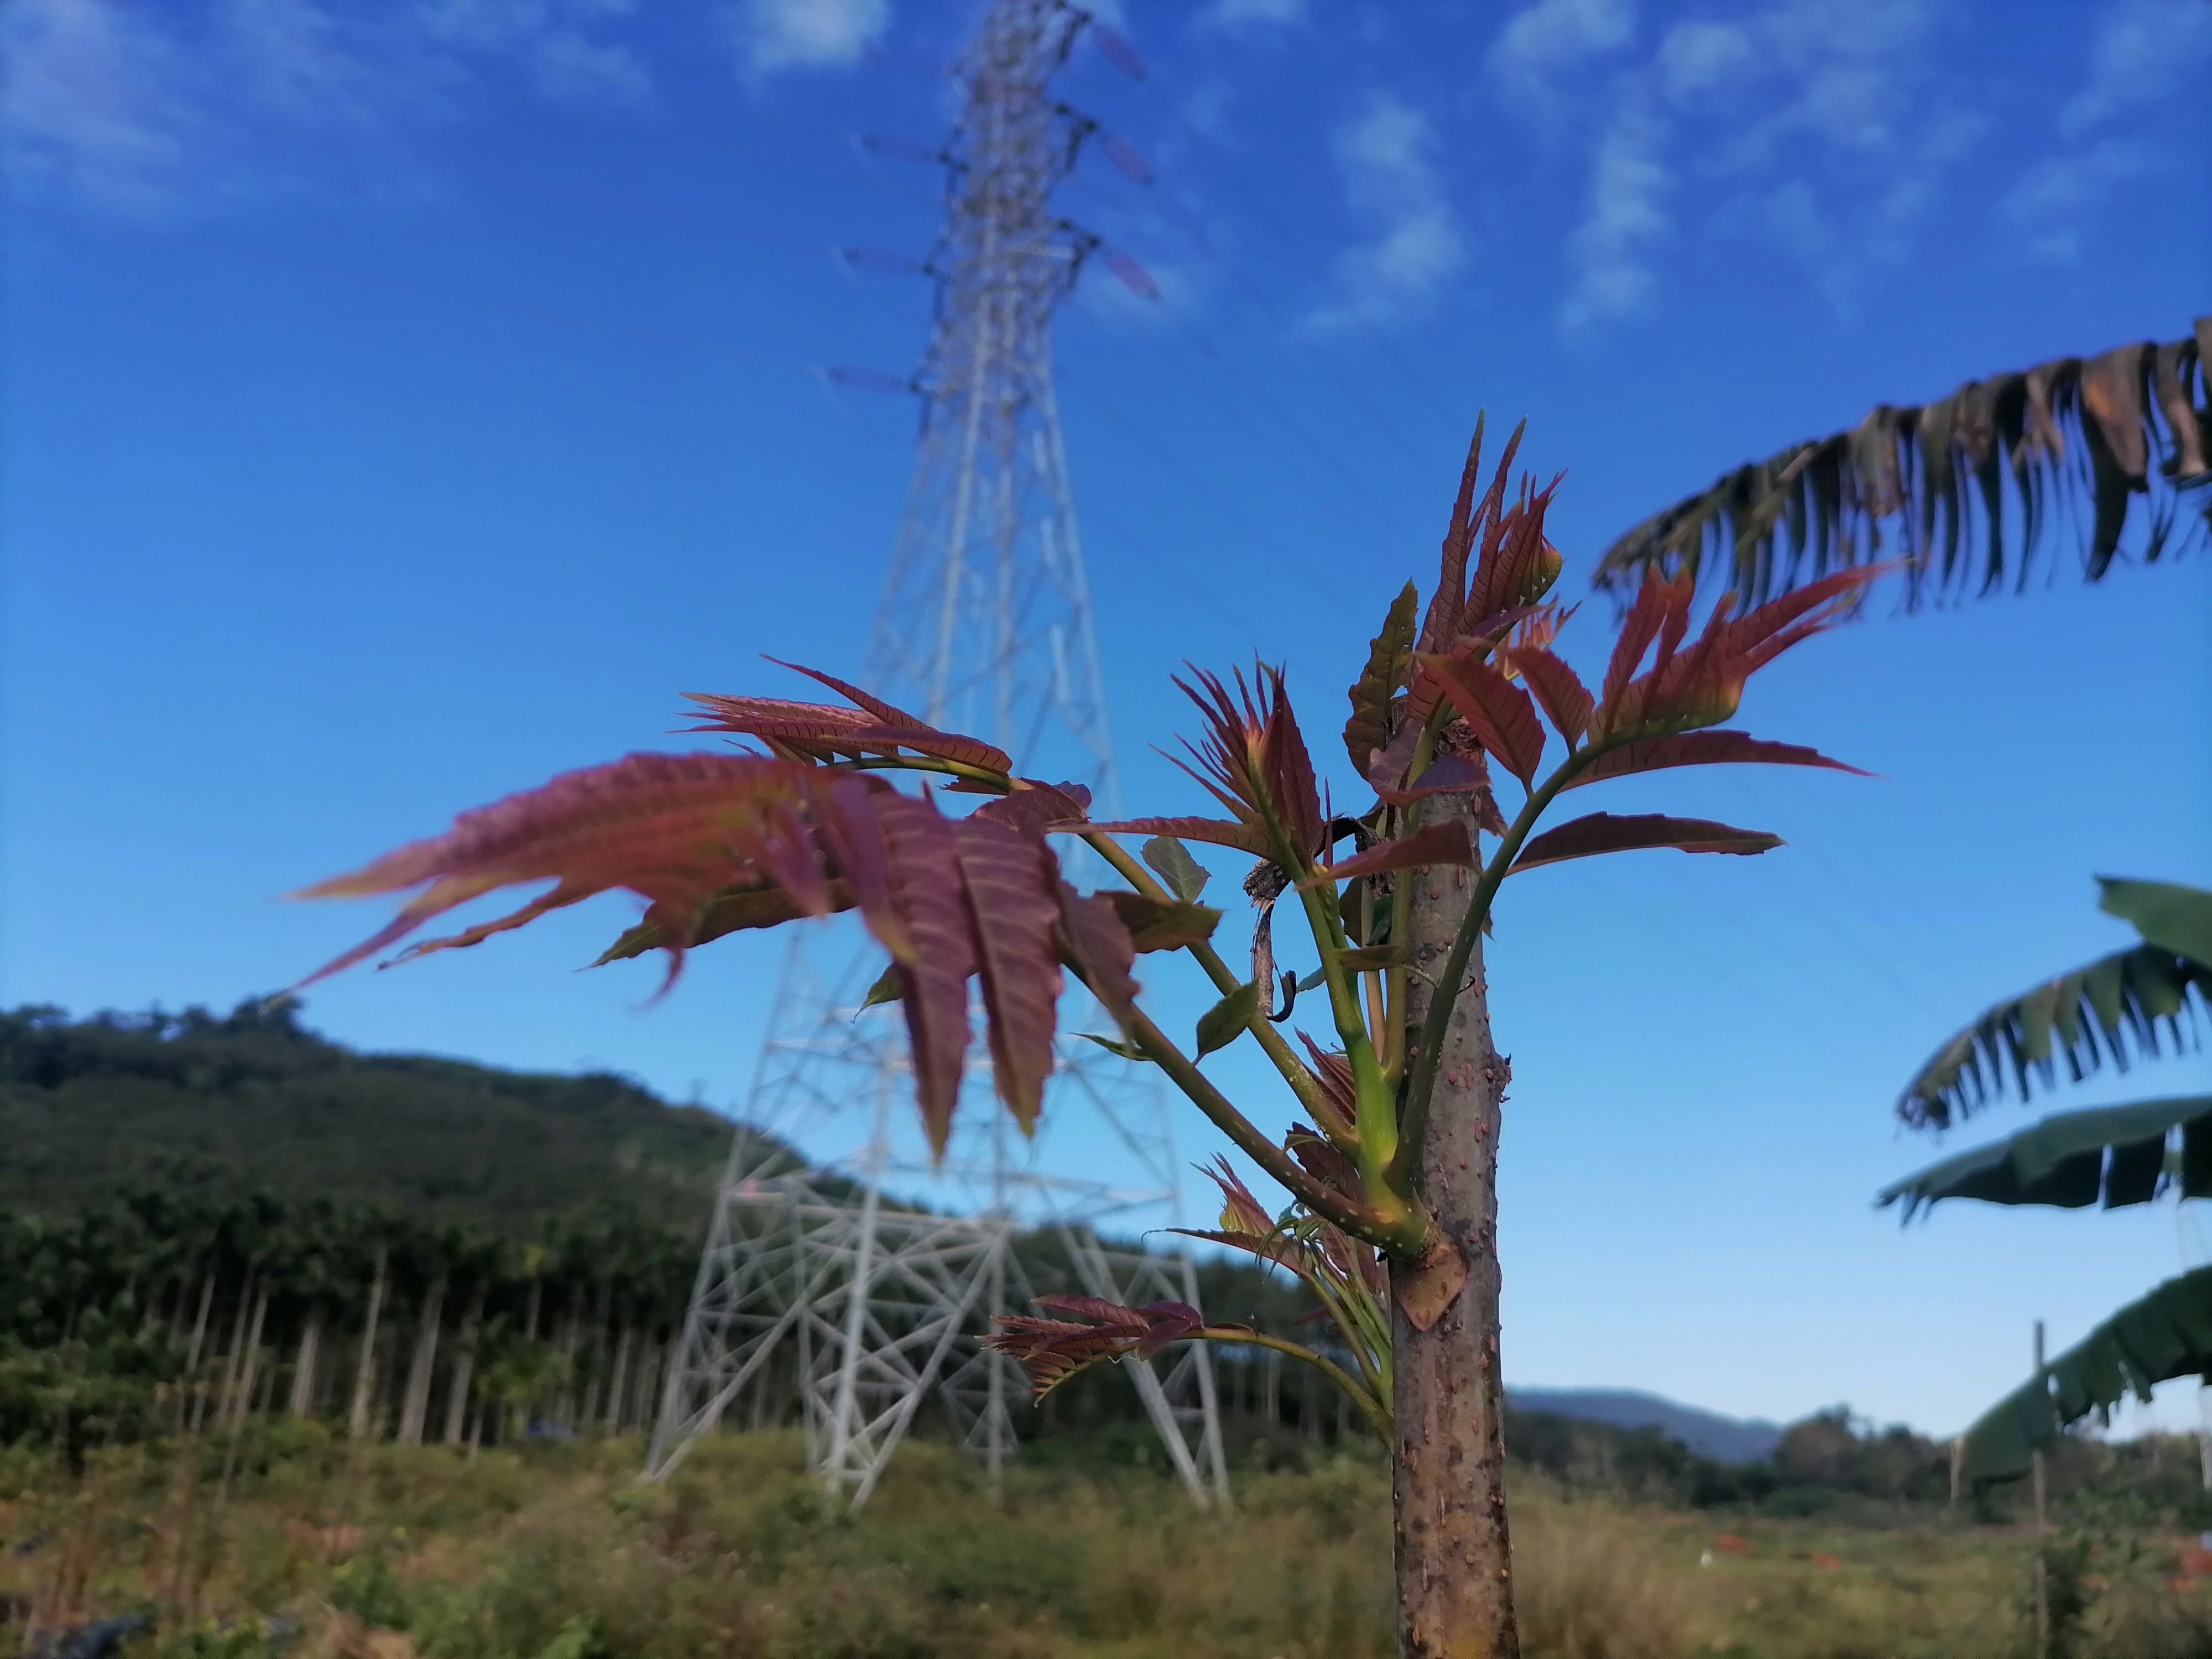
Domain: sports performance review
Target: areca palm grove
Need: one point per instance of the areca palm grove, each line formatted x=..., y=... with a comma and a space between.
x=160, y=1313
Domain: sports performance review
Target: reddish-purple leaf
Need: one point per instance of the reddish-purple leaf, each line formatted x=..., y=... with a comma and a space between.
x=854, y=837
x=1446, y=843
x=1099, y=947
x=1332, y=1071
x=1386, y=767
x=659, y=825
x=1566, y=700
x=1254, y=760
x=1013, y=902
x=1653, y=601
x=1325, y=1163
x=1095, y=1308
x=1496, y=710
x=1604, y=832
x=1218, y=832
x=1705, y=748
x=1037, y=806
x=925, y=865
x=1288, y=770
x=1166, y=1322
x=1440, y=623
x=1447, y=774
x=887, y=713
x=1053, y=1350
x=1703, y=685
x=1513, y=567
x=1241, y=1212
x=944, y=745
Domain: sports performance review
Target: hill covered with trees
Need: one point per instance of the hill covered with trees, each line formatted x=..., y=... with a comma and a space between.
x=255, y=1101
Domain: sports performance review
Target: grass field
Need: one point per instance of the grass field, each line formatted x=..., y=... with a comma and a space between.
x=555, y=1553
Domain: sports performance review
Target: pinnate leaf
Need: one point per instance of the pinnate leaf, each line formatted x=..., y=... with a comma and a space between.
x=1389, y=655
x=1443, y=842
x=1219, y=1026
x=734, y=909
x=1172, y=863
x=1604, y=832
x=1053, y=1350
x=1498, y=712
x=1100, y=948
x=1219, y=832
x=1033, y=807
x=718, y=842
x=928, y=892
x=1566, y=700
x=1013, y=904
x=1705, y=748
x=1447, y=774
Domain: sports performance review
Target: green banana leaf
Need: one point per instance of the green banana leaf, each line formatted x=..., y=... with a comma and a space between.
x=2110, y=1011
x=2167, y=1334
x=2118, y=1154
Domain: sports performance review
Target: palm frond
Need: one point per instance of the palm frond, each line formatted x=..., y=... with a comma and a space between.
x=2167, y=1334
x=1942, y=483
x=2108, y=1012
x=2118, y=1154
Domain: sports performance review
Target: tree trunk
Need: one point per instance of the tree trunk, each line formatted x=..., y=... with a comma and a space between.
x=230, y=1361
x=415, y=1408
x=465, y=1365
x=304, y=1362
x=364, y=1370
x=241, y=1395
x=618, y=1380
x=1454, y=1556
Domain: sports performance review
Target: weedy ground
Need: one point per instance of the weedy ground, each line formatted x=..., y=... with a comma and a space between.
x=557, y=1552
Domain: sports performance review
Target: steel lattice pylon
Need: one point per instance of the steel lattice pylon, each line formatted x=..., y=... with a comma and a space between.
x=872, y=1271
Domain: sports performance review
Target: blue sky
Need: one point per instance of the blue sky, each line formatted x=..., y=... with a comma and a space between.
x=403, y=403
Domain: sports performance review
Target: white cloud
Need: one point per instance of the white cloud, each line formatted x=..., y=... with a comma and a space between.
x=87, y=104
x=1610, y=249
x=2146, y=50
x=1386, y=154
x=142, y=110
x=1696, y=58
x=2054, y=201
x=1555, y=35
x=1824, y=128
x=1279, y=14
x=783, y=34
x=2146, y=53
x=552, y=41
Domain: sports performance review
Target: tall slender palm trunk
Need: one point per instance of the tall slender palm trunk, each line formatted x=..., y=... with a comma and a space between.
x=306, y=1362
x=359, y=1420
x=619, y=1379
x=464, y=1372
x=415, y=1408
x=186, y=1401
x=241, y=1397
x=1454, y=1555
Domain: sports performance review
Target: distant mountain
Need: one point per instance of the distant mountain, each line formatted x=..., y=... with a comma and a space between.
x=1726, y=1439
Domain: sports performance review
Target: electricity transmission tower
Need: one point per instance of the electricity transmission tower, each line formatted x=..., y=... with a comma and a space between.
x=868, y=1274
